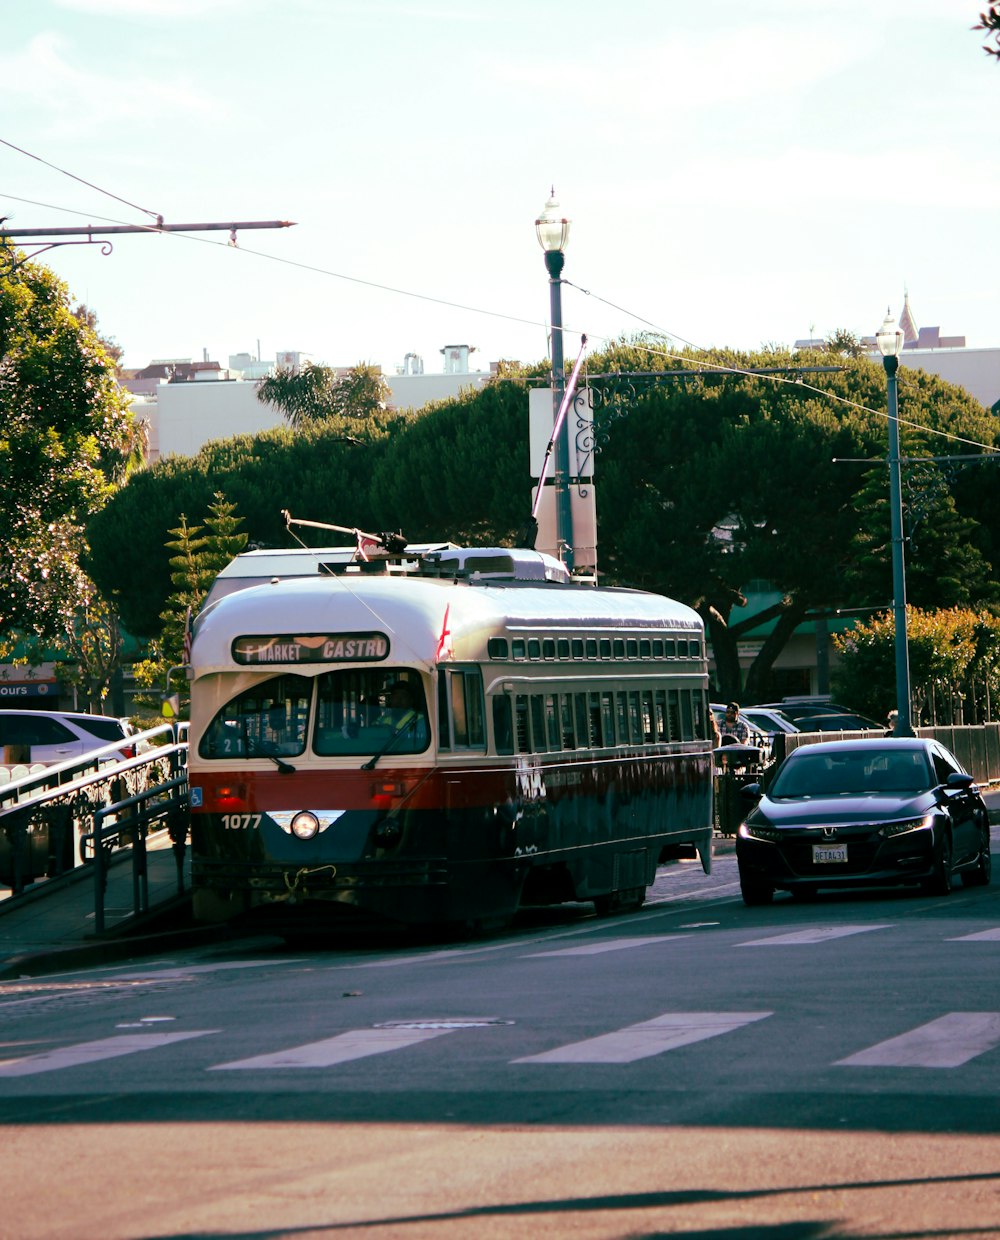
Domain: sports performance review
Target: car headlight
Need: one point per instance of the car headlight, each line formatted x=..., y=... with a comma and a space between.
x=890, y=829
x=304, y=825
x=759, y=831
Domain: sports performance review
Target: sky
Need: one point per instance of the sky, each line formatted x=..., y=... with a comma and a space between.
x=738, y=173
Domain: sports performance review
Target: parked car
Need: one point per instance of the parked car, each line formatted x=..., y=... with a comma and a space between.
x=820, y=715
x=56, y=736
x=769, y=720
x=855, y=813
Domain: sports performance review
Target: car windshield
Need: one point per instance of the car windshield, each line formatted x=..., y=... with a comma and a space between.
x=834, y=723
x=854, y=772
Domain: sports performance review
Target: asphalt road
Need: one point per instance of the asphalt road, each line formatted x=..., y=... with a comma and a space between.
x=698, y=1068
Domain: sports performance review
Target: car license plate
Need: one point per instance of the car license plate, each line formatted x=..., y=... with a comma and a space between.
x=825, y=854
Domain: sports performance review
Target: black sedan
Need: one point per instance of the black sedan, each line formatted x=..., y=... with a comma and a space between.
x=864, y=813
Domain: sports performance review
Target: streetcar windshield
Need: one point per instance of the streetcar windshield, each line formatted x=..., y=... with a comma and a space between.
x=365, y=711
x=358, y=712
x=268, y=720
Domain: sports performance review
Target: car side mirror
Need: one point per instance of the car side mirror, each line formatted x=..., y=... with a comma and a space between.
x=958, y=781
x=751, y=792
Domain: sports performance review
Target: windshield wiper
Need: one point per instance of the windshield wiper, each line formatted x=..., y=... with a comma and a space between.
x=409, y=726
x=255, y=749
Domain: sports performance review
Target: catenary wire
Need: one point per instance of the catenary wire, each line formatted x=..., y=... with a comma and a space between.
x=72, y=175
x=655, y=350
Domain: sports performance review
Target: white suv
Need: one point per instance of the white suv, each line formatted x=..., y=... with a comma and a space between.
x=55, y=736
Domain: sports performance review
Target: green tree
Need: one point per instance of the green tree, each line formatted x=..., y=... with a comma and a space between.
x=708, y=481
x=719, y=480
x=954, y=657
x=196, y=561
x=316, y=393
x=66, y=435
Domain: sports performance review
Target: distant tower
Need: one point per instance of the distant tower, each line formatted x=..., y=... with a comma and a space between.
x=910, y=333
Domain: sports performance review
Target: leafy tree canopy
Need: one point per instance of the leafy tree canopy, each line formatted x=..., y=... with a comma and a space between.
x=66, y=436
x=708, y=480
x=954, y=665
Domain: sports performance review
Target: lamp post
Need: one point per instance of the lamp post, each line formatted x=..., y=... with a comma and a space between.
x=889, y=339
x=552, y=230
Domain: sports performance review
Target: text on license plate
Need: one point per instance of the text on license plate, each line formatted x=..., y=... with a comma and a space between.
x=824, y=854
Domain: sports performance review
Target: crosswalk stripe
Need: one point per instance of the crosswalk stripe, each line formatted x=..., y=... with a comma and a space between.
x=813, y=934
x=606, y=945
x=93, y=1052
x=983, y=936
x=947, y=1042
x=356, y=1044
x=649, y=1037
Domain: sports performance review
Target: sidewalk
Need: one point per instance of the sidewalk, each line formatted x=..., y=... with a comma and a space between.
x=51, y=926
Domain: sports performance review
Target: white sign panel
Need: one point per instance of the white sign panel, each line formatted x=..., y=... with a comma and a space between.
x=580, y=417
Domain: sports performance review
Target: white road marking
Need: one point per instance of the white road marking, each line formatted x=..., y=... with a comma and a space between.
x=984, y=936
x=814, y=934
x=609, y=945
x=93, y=1052
x=357, y=1044
x=649, y=1037
x=946, y=1042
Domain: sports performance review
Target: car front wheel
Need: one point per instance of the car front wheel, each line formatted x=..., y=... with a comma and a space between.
x=982, y=871
x=755, y=891
x=940, y=882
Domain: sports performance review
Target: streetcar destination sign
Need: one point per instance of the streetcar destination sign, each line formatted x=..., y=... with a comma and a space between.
x=312, y=648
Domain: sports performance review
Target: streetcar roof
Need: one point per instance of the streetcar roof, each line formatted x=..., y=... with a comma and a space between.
x=411, y=613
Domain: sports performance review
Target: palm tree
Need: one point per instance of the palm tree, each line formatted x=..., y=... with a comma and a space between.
x=316, y=393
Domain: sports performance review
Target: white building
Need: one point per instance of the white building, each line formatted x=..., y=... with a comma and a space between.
x=217, y=404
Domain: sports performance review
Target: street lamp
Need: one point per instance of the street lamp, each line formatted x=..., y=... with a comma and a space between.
x=552, y=230
x=889, y=339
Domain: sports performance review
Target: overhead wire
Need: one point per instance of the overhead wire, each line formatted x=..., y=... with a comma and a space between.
x=655, y=350
x=73, y=177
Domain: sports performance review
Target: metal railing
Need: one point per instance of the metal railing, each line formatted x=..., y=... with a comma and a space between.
x=975, y=745
x=80, y=811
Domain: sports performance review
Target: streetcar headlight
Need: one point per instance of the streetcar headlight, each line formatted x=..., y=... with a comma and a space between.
x=304, y=825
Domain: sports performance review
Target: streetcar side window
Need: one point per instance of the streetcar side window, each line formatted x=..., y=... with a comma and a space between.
x=596, y=740
x=552, y=721
x=267, y=720
x=503, y=726
x=538, y=743
x=566, y=712
x=635, y=719
x=687, y=722
x=623, y=735
x=674, y=713
x=522, y=724
x=467, y=717
x=662, y=728
x=648, y=735
x=583, y=739
x=608, y=717
x=444, y=719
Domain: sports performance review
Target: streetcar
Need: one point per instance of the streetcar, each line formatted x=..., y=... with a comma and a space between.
x=441, y=737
